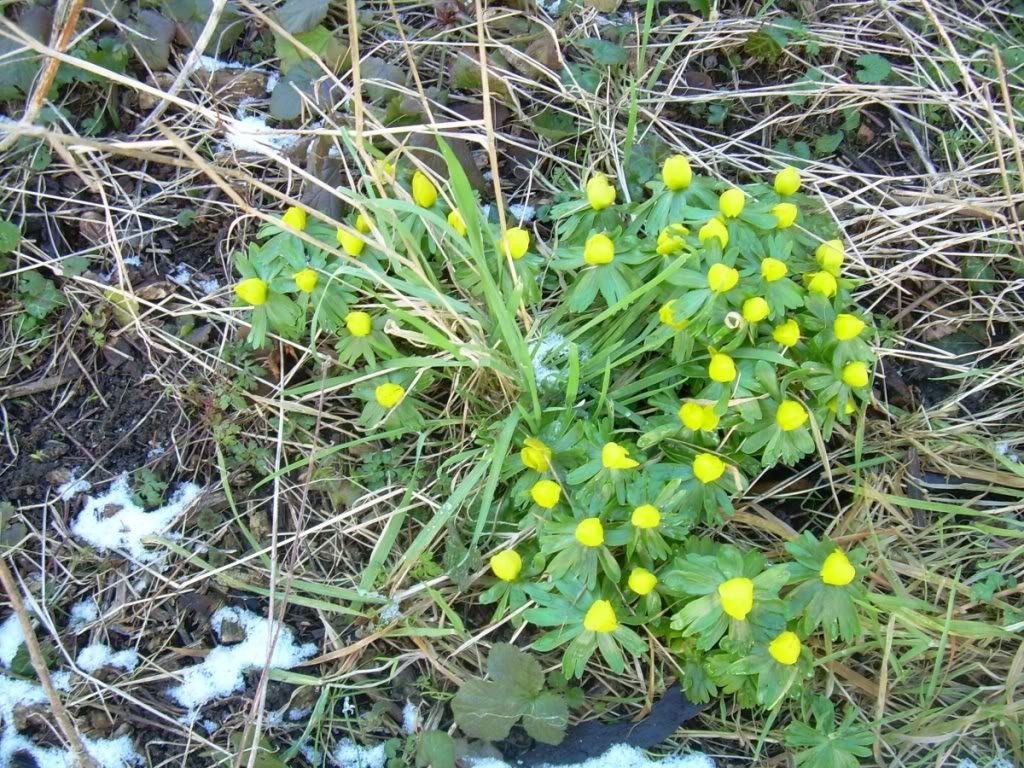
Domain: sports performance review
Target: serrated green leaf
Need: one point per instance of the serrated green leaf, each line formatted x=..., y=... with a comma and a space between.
x=487, y=710
x=873, y=68
x=605, y=52
x=828, y=143
x=10, y=236
x=436, y=749
x=509, y=666
x=547, y=718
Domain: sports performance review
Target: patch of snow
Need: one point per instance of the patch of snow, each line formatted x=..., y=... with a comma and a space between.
x=254, y=135
x=390, y=612
x=210, y=726
x=96, y=656
x=61, y=680
x=133, y=261
x=11, y=639
x=155, y=453
x=272, y=79
x=410, y=718
x=542, y=372
x=125, y=529
x=621, y=756
x=208, y=286
x=313, y=756
x=273, y=718
x=72, y=487
x=181, y=274
x=299, y=713
x=348, y=754
x=522, y=212
x=222, y=671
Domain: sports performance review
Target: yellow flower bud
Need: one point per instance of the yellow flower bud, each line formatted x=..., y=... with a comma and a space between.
x=507, y=565
x=823, y=283
x=546, y=493
x=837, y=571
x=731, y=203
x=614, y=456
x=423, y=190
x=665, y=315
x=600, y=194
x=714, y=228
x=352, y=243
x=599, y=250
x=830, y=256
x=710, y=421
x=833, y=405
x=773, y=269
x=790, y=415
x=676, y=172
x=359, y=323
x=252, y=290
x=516, y=243
x=847, y=327
x=306, y=280
x=737, y=596
x=707, y=467
x=388, y=394
x=457, y=223
x=755, y=309
x=536, y=455
x=295, y=218
x=646, y=516
x=692, y=415
x=363, y=224
x=642, y=581
x=786, y=214
x=856, y=374
x=590, y=532
x=785, y=648
x=787, y=181
x=672, y=239
x=721, y=368
x=787, y=334
x=722, y=278
x=600, y=617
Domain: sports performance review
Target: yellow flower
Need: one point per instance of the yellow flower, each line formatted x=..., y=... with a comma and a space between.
x=785, y=648
x=722, y=278
x=823, y=283
x=590, y=532
x=516, y=243
x=755, y=309
x=614, y=456
x=721, y=368
x=295, y=218
x=359, y=323
x=600, y=617
x=306, y=280
x=737, y=596
x=671, y=239
x=786, y=214
x=363, y=224
x=714, y=228
x=388, y=394
x=252, y=290
x=790, y=415
x=773, y=269
x=423, y=190
x=600, y=194
x=646, y=516
x=546, y=493
x=837, y=571
x=599, y=250
x=787, y=181
x=847, y=327
x=856, y=374
x=457, y=222
x=787, y=334
x=536, y=455
x=830, y=256
x=507, y=565
x=351, y=242
x=665, y=315
x=698, y=417
x=833, y=405
x=676, y=172
x=642, y=581
x=707, y=467
x=731, y=203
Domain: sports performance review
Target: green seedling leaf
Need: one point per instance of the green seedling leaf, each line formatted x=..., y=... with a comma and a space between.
x=327, y=46
x=18, y=66
x=555, y=125
x=805, y=84
x=487, y=710
x=873, y=68
x=509, y=666
x=605, y=52
x=828, y=143
x=587, y=78
x=191, y=16
x=547, y=718
x=766, y=44
x=381, y=79
x=10, y=236
x=302, y=15
x=436, y=749
x=150, y=38
x=286, y=99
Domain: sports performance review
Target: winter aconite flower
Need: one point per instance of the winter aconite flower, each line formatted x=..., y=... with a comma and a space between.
x=698, y=417
x=642, y=581
x=388, y=394
x=722, y=368
x=847, y=327
x=837, y=571
x=671, y=239
x=516, y=243
x=714, y=228
x=722, y=278
x=536, y=455
x=423, y=190
x=614, y=456
x=456, y=222
x=676, y=172
x=363, y=224
x=507, y=565
x=600, y=194
x=707, y=467
x=590, y=532
x=295, y=218
x=737, y=596
x=855, y=374
x=755, y=309
x=665, y=314
x=786, y=214
x=823, y=283
x=359, y=323
x=787, y=334
x=830, y=256
x=773, y=269
x=833, y=405
x=546, y=493
x=790, y=415
x=599, y=250
x=600, y=617
x=645, y=516
x=787, y=181
x=252, y=290
x=306, y=280
x=785, y=648
x=352, y=243
x=731, y=203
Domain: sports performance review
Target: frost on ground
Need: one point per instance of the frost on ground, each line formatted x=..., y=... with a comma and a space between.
x=83, y=613
x=11, y=639
x=125, y=529
x=410, y=717
x=622, y=756
x=252, y=134
x=73, y=486
x=97, y=656
x=348, y=754
x=222, y=671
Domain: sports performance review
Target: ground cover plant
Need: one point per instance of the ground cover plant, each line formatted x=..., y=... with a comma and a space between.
x=393, y=386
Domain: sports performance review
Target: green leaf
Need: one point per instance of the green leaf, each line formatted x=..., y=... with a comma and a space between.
x=150, y=38
x=587, y=78
x=509, y=666
x=301, y=15
x=487, y=710
x=553, y=124
x=828, y=143
x=18, y=70
x=320, y=40
x=436, y=749
x=767, y=44
x=605, y=52
x=547, y=718
x=191, y=16
x=805, y=84
x=10, y=236
x=873, y=68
